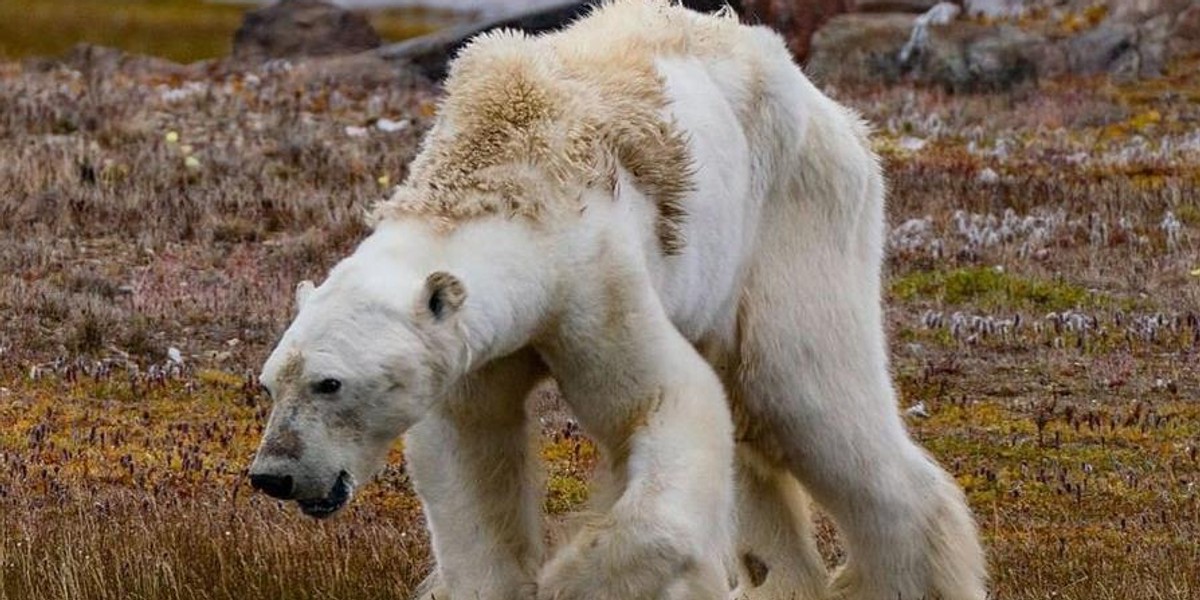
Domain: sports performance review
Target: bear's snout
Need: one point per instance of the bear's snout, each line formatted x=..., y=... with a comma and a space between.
x=282, y=487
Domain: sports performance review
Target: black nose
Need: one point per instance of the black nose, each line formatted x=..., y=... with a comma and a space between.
x=275, y=486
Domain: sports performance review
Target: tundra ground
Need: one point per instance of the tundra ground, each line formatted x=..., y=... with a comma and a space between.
x=1043, y=302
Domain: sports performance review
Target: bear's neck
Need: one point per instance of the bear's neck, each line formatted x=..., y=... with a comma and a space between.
x=503, y=268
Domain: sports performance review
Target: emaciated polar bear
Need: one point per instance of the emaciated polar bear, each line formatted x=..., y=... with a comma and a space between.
x=656, y=208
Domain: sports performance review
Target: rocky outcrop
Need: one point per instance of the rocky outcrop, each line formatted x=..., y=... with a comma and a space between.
x=1140, y=10
x=888, y=47
x=1185, y=41
x=860, y=46
x=967, y=45
x=301, y=28
x=972, y=51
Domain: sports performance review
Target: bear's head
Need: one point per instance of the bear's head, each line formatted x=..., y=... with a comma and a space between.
x=367, y=354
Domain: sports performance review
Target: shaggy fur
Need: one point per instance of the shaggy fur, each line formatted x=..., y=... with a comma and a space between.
x=659, y=210
x=532, y=121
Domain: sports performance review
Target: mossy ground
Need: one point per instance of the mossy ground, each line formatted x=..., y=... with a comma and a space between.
x=1041, y=306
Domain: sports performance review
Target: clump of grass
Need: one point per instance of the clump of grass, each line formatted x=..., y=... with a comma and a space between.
x=1071, y=486
x=991, y=288
x=114, y=546
x=1189, y=214
x=116, y=483
x=571, y=458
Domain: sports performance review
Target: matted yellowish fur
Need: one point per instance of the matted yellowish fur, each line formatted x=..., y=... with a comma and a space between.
x=529, y=123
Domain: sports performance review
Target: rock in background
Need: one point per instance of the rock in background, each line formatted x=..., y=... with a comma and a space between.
x=996, y=44
x=898, y=6
x=301, y=28
x=968, y=45
x=797, y=20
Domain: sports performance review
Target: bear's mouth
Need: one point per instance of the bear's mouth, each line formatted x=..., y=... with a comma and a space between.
x=320, y=508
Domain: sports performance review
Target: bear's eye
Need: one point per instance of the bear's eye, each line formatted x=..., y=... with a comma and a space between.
x=327, y=386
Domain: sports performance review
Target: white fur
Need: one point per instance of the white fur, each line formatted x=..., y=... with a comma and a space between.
x=778, y=287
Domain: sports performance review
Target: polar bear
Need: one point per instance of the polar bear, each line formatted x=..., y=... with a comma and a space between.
x=657, y=209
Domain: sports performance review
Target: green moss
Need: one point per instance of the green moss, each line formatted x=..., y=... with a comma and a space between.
x=569, y=461
x=989, y=288
x=565, y=493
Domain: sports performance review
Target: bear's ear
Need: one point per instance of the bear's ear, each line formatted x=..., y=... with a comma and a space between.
x=304, y=289
x=444, y=294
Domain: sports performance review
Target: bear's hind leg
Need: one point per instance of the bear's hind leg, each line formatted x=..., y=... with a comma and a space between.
x=777, y=554
x=814, y=371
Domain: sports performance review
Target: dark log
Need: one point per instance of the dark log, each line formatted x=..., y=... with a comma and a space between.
x=432, y=53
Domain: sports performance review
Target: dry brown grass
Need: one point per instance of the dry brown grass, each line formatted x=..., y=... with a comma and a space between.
x=1074, y=429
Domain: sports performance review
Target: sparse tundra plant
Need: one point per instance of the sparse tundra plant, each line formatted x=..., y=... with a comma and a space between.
x=656, y=208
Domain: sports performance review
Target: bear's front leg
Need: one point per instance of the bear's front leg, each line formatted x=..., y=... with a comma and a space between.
x=658, y=412
x=475, y=471
x=622, y=557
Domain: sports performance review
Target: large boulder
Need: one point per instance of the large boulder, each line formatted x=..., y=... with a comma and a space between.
x=974, y=57
x=1185, y=40
x=1166, y=28
x=1126, y=47
x=1154, y=36
x=959, y=55
x=1111, y=46
x=1133, y=11
x=996, y=9
x=860, y=47
x=1136, y=39
x=300, y=28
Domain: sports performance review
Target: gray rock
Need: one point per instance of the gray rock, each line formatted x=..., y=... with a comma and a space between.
x=1185, y=39
x=995, y=8
x=894, y=6
x=1103, y=49
x=1001, y=59
x=860, y=47
x=959, y=55
x=1135, y=11
x=965, y=56
x=1138, y=40
x=1049, y=57
x=1153, y=36
x=300, y=28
